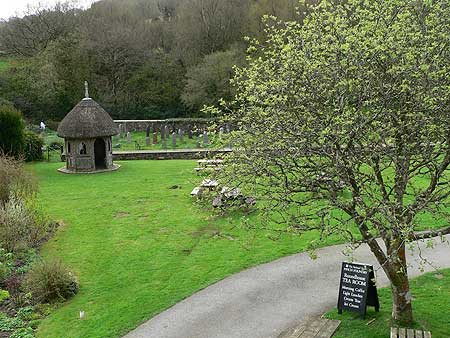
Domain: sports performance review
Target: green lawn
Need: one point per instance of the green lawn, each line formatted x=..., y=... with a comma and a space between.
x=138, y=246
x=431, y=306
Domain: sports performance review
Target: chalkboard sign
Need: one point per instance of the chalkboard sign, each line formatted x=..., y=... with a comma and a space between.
x=357, y=288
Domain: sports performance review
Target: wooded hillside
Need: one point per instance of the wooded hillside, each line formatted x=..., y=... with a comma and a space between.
x=142, y=58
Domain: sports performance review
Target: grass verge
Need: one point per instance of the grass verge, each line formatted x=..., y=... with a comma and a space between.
x=431, y=306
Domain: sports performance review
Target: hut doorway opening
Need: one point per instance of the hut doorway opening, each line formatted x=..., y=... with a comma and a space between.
x=100, y=153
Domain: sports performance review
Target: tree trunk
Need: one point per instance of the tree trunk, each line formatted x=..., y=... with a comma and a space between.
x=401, y=295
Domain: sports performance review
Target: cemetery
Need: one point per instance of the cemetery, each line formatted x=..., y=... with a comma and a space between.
x=294, y=183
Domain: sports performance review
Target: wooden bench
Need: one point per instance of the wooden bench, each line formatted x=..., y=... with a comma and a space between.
x=313, y=328
x=409, y=333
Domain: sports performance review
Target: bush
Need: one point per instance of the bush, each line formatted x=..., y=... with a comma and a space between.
x=6, y=265
x=14, y=180
x=51, y=281
x=53, y=125
x=11, y=132
x=22, y=226
x=33, y=146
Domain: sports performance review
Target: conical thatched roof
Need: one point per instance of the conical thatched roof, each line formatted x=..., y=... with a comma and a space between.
x=87, y=120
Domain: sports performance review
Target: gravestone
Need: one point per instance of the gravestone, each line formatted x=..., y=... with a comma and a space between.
x=221, y=132
x=155, y=138
x=162, y=132
x=190, y=133
x=174, y=139
x=147, y=131
x=120, y=130
x=147, y=140
x=197, y=145
x=205, y=139
x=166, y=132
x=227, y=129
x=357, y=288
x=181, y=134
x=128, y=137
x=164, y=143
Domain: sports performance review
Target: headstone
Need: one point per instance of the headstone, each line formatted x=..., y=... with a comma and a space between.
x=205, y=139
x=147, y=131
x=128, y=137
x=162, y=132
x=164, y=143
x=120, y=130
x=221, y=132
x=227, y=128
x=166, y=132
x=190, y=133
x=174, y=139
x=181, y=134
x=147, y=140
x=155, y=138
x=357, y=288
x=197, y=145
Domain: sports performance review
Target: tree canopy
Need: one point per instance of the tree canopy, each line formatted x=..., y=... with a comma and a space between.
x=116, y=43
x=343, y=126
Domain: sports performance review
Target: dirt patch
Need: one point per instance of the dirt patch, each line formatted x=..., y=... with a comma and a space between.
x=206, y=230
x=174, y=187
x=121, y=214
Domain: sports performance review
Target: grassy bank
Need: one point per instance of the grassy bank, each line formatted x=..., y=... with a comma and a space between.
x=431, y=306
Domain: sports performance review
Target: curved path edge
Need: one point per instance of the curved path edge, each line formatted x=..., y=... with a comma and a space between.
x=265, y=300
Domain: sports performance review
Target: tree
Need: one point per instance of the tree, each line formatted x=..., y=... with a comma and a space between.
x=344, y=127
x=11, y=131
x=209, y=81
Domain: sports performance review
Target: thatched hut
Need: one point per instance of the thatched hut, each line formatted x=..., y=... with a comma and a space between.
x=87, y=130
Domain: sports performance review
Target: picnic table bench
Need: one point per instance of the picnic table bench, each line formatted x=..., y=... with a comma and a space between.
x=314, y=327
x=409, y=333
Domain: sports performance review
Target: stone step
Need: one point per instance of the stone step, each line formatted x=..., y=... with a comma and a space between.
x=312, y=328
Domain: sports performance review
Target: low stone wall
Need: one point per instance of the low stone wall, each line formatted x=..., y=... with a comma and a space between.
x=195, y=124
x=187, y=154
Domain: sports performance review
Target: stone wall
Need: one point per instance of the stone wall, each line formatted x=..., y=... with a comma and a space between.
x=187, y=154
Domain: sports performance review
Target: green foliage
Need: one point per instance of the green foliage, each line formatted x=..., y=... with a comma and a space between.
x=23, y=333
x=6, y=266
x=11, y=132
x=22, y=225
x=14, y=180
x=4, y=295
x=209, y=81
x=33, y=146
x=155, y=88
x=51, y=281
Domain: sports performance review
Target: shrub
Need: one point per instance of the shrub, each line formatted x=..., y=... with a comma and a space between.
x=14, y=180
x=23, y=333
x=11, y=132
x=22, y=225
x=6, y=265
x=51, y=281
x=53, y=125
x=33, y=146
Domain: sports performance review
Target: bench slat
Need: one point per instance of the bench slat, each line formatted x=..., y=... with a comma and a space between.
x=394, y=332
x=401, y=333
x=328, y=329
x=426, y=334
x=410, y=333
x=311, y=329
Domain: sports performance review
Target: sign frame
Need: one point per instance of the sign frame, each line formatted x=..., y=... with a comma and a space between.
x=369, y=296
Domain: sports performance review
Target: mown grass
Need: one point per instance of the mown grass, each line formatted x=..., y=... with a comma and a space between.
x=431, y=306
x=139, y=246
